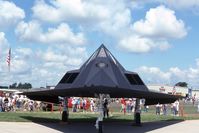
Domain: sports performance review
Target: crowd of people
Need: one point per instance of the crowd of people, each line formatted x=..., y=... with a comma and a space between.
x=14, y=102
x=163, y=108
x=89, y=104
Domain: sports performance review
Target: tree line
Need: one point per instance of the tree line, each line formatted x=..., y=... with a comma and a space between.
x=21, y=86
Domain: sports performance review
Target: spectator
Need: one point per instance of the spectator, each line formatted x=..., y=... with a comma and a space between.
x=123, y=106
x=177, y=107
x=84, y=104
x=78, y=104
x=74, y=104
x=6, y=103
x=92, y=105
x=106, y=109
x=31, y=106
x=164, y=109
x=128, y=106
x=132, y=105
x=157, y=109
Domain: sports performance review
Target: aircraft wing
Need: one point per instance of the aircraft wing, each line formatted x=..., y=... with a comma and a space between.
x=44, y=95
x=161, y=98
x=150, y=97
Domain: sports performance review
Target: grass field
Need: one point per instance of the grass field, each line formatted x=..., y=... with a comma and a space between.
x=56, y=117
x=190, y=112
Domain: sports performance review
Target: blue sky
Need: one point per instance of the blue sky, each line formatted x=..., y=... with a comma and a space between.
x=158, y=39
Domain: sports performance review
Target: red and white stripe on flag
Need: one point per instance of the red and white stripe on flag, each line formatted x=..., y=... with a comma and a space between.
x=9, y=57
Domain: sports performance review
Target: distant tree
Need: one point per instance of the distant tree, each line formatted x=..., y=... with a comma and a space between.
x=13, y=86
x=4, y=87
x=181, y=84
x=27, y=86
x=21, y=86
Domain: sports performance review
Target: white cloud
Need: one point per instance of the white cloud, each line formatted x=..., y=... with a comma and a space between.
x=20, y=67
x=154, y=74
x=32, y=32
x=41, y=66
x=119, y=23
x=76, y=10
x=3, y=43
x=10, y=14
x=138, y=44
x=50, y=56
x=41, y=76
x=171, y=76
x=177, y=72
x=23, y=53
x=153, y=32
x=4, y=47
x=116, y=22
x=70, y=56
x=97, y=15
x=160, y=22
x=54, y=62
x=193, y=73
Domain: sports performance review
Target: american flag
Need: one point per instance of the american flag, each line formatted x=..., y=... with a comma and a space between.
x=9, y=58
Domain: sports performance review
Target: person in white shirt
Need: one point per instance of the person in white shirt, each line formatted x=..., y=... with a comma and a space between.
x=177, y=107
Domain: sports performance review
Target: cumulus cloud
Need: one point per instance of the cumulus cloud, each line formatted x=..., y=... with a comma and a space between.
x=139, y=44
x=4, y=47
x=24, y=53
x=70, y=56
x=116, y=22
x=171, y=76
x=153, y=32
x=20, y=67
x=76, y=10
x=33, y=32
x=3, y=43
x=54, y=62
x=154, y=75
x=160, y=22
x=10, y=14
x=97, y=15
x=41, y=66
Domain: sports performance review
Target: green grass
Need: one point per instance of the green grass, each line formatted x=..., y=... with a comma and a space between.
x=88, y=117
x=190, y=112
